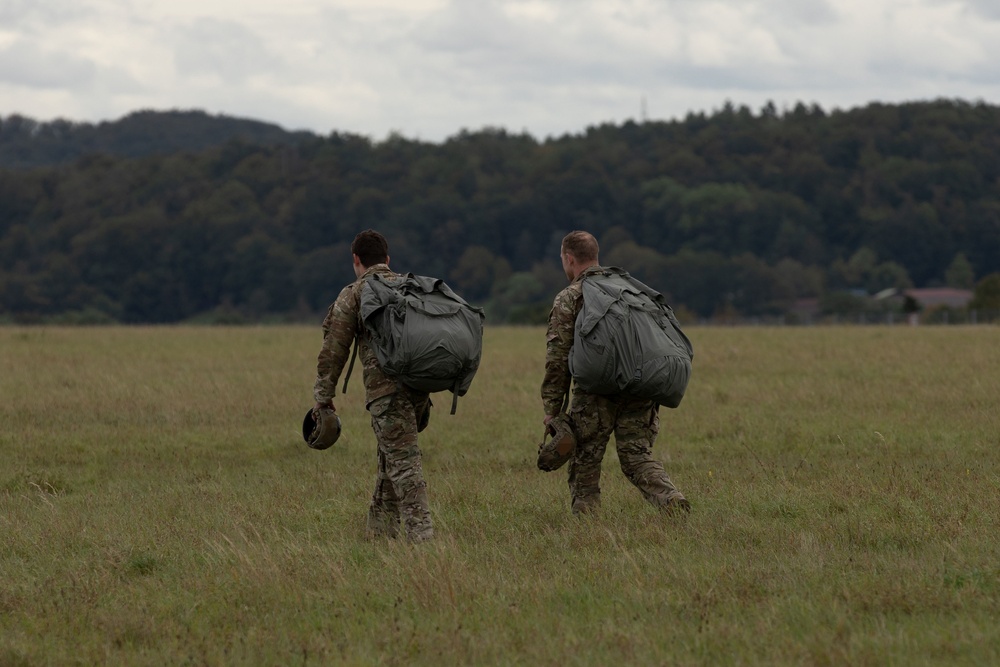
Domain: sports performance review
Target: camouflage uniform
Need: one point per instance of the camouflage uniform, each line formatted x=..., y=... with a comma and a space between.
x=397, y=413
x=594, y=418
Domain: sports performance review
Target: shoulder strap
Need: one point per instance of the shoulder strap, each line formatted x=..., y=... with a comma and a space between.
x=567, y=397
x=354, y=355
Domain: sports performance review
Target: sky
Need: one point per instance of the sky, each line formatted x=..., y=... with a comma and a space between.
x=428, y=69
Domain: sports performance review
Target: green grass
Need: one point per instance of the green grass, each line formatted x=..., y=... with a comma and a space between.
x=158, y=506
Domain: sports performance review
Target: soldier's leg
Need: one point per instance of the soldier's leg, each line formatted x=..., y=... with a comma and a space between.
x=383, y=512
x=635, y=432
x=592, y=420
x=395, y=424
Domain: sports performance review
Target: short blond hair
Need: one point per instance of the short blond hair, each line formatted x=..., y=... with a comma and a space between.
x=581, y=245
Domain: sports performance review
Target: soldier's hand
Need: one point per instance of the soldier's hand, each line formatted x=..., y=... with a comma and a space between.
x=547, y=419
x=321, y=406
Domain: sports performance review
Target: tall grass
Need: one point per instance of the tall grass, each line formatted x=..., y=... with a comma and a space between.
x=158, y=506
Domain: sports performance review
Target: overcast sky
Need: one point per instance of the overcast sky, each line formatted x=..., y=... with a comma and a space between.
x=430, y=68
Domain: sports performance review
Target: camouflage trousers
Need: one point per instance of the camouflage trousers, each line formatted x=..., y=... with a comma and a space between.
x=400, y=490
x=635, y=424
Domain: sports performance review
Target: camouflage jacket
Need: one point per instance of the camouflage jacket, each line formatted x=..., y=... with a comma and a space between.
x=559, y=340
x=341, y=327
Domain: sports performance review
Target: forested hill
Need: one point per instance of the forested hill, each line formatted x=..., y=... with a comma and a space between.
x=28, y=143
x=737, y=211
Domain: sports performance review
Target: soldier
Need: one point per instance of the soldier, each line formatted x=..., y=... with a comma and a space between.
x=592, y=418
x=397, y=411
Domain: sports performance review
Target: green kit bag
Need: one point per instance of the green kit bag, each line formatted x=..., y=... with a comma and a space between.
x=628, y=341
x=423, y=333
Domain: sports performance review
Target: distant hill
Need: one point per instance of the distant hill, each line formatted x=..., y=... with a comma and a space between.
x=26, y=143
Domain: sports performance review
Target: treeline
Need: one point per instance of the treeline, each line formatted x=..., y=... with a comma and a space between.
x=26, y=143
x=730, y=213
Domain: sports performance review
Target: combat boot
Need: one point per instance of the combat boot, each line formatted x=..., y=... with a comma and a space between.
x=382, y=522
x=383, y=510
x=586, y=504
x=417, y=516
x=676, y=503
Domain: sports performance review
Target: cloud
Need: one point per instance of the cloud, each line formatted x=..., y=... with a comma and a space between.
x=36, y=14
x=565, y=64
x=562, y=44
x=936, y=42
x=798, y=12
x=24, y=63
x=222, y=49
x=988, y=9
x=429, y=68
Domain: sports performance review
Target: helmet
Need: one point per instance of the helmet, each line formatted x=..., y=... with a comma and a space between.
x=321, y=428
x=554, y=453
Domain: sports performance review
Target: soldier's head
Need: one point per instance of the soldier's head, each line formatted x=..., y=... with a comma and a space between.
x=578, y=252
x=368, y=249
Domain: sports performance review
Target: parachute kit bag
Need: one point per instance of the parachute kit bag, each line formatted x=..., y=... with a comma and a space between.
x=628, y=341
x=422, y=332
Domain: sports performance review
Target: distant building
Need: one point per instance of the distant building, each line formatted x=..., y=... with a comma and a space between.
x=934, y=297
x=805, y=310
x=928, y=297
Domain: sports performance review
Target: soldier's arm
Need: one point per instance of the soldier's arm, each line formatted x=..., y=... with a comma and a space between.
x=339, y=330
x=558, y=341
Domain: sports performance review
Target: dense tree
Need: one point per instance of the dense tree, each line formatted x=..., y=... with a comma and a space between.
x=476, y=271
x=960, y=273
x=987, y=294
x=167, y=217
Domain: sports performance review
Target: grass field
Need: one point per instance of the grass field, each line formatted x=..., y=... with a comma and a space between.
x=158, y=506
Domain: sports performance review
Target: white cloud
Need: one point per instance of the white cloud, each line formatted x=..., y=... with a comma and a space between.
x=988, y=9
x=429, y=68
x=38, y=14
x=24, y=63
x=225, y=52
